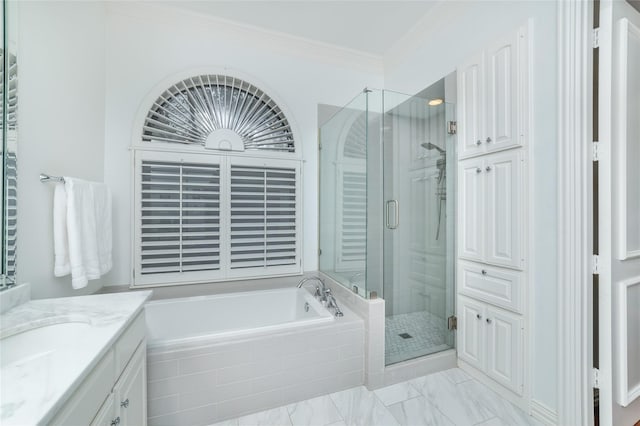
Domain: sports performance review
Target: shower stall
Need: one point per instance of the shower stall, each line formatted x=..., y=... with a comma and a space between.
x=387, y=194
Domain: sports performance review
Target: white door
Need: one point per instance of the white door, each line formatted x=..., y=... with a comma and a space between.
x=472, y=102
x=504, y=222
x=471, y=332
x=619, y=214
x=131, y=390
x=504, y=347
x=471, y=202
x=503, y=103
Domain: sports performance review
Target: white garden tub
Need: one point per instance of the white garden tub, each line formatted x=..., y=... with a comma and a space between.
x=190, y=321
x=212, y=358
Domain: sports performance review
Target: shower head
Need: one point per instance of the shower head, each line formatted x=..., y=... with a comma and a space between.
x=430, y=146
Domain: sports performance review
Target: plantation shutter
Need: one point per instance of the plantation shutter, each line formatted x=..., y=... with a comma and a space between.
x=263, y=217
x=179, y=217
x=352, y=241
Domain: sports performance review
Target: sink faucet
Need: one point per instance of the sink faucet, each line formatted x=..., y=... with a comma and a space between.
x=320, y=292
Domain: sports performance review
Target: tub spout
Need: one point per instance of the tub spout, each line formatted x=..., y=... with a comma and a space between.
x=320, y=292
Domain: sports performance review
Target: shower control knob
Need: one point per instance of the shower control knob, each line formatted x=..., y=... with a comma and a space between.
x=488, y=168
x=488, y=320
x=488, y=140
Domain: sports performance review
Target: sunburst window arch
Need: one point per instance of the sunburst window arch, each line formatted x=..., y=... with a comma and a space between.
x=216, y=110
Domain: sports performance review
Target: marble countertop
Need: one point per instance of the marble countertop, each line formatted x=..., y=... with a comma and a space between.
x=32, y=392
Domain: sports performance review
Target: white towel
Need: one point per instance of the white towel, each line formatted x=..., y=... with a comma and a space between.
x=62, y=266
x=88, y=226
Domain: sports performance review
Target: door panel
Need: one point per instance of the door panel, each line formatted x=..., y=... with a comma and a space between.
x=471, y=208
x=471, y=333
x=471, y=87
x=504, y=211
x=502, y=94
x=504, y=334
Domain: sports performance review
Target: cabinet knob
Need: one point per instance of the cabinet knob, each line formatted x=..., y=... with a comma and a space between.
x=116, y=421
x=488, y=320
x=478, y=170
x=488, y=168
x=488, y=140
x=484, y=272
x=478, y=316
x=478, y=142
x=125, y=403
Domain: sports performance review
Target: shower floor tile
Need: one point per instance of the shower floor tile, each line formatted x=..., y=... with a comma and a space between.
x=413, y=335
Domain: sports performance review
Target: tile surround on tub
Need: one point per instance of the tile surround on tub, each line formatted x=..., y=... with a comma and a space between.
x=203, y=385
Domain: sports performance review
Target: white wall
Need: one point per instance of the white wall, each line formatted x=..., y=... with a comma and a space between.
x=447, y=36
x=146, y=44
x=61, y=123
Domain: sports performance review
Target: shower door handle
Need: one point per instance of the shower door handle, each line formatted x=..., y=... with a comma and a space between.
x=396, y=214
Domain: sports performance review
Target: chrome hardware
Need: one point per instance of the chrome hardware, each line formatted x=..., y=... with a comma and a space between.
x=125, y=403
x=46, y=178
x=319, y=293
x=488, y=140
x=478, y=142
x=115, y=421
x=484, y=272
x=396, y=213
x=306, y=308
x=452, y=323
x=478, y=170
x=488, y=168
x=332, y=303
x=479, y=316
x=488, y=320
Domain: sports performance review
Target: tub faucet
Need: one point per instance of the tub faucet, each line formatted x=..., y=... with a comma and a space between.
x=332, y=303
x=320, y=292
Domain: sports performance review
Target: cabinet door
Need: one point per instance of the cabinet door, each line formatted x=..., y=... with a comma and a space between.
x=108, y=413
x=471, y=194
x=471, y=98
x=504, y=222
x=504, y=347
x=471, y=332
x=131, y=390
x=503, y=94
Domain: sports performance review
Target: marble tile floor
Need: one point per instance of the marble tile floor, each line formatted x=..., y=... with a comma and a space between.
x=445, y=398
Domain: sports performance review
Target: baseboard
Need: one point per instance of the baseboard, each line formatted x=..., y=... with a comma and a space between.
x=543, y=413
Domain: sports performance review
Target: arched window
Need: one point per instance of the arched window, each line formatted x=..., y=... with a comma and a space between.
x=216, y=186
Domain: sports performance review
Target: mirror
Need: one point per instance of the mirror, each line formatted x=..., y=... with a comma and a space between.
x=9, y=143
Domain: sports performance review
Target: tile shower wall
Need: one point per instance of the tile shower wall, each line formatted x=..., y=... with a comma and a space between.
x=207, y=384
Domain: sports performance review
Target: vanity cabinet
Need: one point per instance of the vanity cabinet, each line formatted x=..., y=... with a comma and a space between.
x=114, y=393
x=490, y=202
x=491, y=340
x=492, y=87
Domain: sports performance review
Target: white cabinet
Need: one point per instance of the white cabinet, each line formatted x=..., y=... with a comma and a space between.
x=498, y=286
x=114, y=393
x=491, y=340
x=493, y=96
x=490, y=203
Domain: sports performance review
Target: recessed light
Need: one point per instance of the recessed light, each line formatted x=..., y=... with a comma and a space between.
x=435, y=102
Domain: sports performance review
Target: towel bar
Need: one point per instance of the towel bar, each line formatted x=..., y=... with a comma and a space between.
x=47, y=178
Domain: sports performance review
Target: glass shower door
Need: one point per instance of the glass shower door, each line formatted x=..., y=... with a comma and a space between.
x=419, y=177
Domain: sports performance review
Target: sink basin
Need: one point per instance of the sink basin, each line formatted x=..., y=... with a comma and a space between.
x=36, y=342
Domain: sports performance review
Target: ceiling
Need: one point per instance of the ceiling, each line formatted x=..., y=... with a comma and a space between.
x=368, y=26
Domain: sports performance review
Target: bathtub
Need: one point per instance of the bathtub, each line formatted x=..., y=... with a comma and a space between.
x=212, y=358
x=191, y=321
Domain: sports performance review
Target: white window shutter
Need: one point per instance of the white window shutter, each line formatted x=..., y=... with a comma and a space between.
x=351, y=243
x=263, y=216
x=179, y=217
